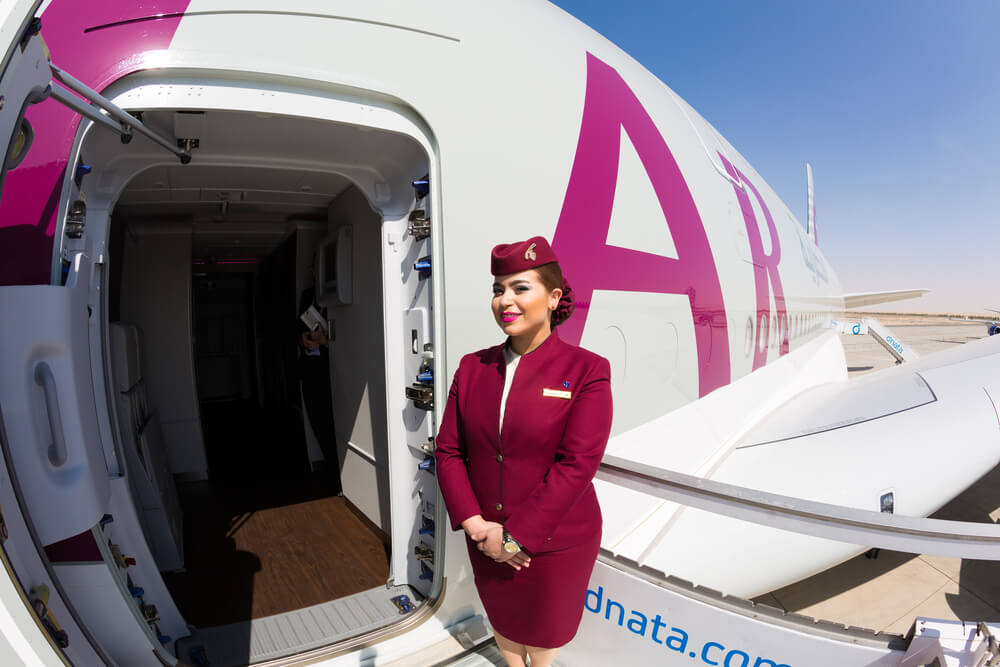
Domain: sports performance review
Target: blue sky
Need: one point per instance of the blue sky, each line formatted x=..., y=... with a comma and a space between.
x=895, y=103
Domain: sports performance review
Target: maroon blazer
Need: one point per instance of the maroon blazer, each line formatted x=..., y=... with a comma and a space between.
x=535, y=476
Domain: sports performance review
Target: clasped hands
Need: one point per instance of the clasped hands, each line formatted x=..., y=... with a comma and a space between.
x=488, y=536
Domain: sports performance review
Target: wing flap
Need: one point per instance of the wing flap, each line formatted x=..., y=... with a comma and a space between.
x=842, y=404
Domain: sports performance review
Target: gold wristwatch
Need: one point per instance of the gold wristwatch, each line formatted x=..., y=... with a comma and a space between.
x=510, y=545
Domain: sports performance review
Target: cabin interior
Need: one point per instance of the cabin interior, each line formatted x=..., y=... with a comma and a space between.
x=210, y=266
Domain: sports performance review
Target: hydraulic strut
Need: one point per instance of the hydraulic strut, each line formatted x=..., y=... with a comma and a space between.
x=126, y=121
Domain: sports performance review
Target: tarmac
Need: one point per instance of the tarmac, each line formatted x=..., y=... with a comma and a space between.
x=887, y=593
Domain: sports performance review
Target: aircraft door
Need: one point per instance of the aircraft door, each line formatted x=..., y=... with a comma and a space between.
x=47, y=395
x=46, y=385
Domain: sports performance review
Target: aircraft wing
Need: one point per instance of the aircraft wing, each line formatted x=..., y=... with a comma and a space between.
x=858, y=299
x=919, y=434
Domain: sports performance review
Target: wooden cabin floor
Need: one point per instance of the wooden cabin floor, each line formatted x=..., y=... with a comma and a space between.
x=264, y=536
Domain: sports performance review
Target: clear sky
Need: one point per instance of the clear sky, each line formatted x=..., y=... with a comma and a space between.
x=895, y=103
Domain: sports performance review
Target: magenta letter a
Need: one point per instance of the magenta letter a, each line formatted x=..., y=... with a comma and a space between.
x=580, y=239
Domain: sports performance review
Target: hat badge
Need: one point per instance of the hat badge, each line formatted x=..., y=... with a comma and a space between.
x=529, y=254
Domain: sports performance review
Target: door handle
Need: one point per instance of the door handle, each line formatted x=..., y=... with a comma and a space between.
x=47, y=381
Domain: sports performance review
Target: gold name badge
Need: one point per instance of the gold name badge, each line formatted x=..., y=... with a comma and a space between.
x=556, y=393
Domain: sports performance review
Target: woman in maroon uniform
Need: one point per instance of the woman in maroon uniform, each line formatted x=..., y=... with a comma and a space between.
x=523, y=432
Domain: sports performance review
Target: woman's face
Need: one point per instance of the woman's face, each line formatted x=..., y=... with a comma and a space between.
x=522, y=304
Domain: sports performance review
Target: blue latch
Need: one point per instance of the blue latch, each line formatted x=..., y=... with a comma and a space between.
x=81, y=171
x=427, y=464
x=426, y=526
x=422, y=186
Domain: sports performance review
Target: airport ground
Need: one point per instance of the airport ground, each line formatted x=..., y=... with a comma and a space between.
x=886, y=593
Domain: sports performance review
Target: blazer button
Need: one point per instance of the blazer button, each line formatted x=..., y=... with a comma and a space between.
x=499, y=458
x=499, y=506
x=548, y=539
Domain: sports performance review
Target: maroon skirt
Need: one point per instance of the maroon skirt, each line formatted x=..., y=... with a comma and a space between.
x=540, y=605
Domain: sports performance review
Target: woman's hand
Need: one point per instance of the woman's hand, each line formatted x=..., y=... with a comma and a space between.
x=488, y=536
x=474, y=524
x=478, y=530
x=489, y=539
x=516, y=561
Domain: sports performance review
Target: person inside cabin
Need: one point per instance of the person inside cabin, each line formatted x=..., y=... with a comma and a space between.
x=314, y=376
x=523, y=432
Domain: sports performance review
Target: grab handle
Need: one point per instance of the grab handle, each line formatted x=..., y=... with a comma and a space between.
x=47, y=381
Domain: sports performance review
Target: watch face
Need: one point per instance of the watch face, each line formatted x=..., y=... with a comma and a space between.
x=511, y=547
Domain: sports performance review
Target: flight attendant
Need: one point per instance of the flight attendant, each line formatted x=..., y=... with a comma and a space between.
x=523, y=433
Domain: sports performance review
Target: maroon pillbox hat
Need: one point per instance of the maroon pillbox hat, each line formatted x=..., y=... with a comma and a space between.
x=510, y=258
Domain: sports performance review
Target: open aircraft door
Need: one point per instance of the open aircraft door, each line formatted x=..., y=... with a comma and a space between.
x=46, y=384
x=53, y=475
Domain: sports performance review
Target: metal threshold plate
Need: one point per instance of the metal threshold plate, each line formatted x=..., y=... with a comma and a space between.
x=300, y=630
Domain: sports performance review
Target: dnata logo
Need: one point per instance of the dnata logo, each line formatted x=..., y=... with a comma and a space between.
x=676, y=639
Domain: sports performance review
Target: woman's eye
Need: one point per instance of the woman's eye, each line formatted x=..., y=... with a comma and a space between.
x=521, y=288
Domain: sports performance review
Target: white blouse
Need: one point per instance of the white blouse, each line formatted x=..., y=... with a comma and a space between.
x=513, y=358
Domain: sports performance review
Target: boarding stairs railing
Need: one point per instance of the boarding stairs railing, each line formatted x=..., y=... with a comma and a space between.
x=939, y=537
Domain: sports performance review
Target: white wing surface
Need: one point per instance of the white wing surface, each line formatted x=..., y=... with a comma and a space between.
x=859, y=299
x=844, y=442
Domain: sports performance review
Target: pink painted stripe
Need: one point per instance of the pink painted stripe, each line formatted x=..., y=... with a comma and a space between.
x=580, y=239
x=98, y=58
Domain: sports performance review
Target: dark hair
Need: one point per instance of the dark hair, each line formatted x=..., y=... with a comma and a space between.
x=551, y=276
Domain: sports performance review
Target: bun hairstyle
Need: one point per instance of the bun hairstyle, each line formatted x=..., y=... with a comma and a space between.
x=552, y=277
x=535, y=253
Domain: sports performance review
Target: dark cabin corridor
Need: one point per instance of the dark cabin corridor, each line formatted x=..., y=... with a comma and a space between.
x=264, y=534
